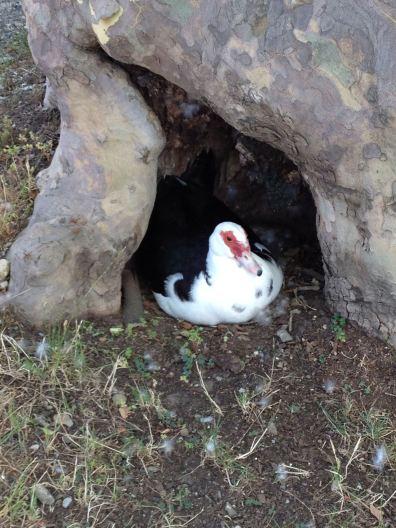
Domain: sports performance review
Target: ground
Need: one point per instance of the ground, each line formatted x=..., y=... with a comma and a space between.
x=164, y=424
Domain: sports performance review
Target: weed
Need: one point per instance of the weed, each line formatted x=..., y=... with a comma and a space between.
x=21, y=156
x=182, y=498
x=338, y=326
x=188, y=362
x=250, y=501
x=141, y=367
x=16, y=503
x=194, y=335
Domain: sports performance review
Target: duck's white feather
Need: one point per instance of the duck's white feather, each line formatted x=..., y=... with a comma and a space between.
x=229, y=294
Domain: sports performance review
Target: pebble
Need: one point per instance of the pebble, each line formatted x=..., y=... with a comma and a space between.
x=206, y=419
x=284, y=335
x=4, y=269
x=116, y=330
x=63, y=419
x=43, y=495
x=3, y=286
x=119, y=399
x=66, y=502
x=230, y=510
x=41, y=421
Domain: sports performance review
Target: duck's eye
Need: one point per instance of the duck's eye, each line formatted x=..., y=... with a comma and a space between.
x=229, y=239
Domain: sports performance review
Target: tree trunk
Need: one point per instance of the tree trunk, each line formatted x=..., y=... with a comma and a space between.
x=315, y=79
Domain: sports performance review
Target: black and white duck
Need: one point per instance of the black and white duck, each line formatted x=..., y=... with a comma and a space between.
x=200, y=263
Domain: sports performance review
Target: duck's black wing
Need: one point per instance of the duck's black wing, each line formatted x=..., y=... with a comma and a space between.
x=158, y=257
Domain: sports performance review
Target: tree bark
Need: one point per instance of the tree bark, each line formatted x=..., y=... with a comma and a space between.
x=315, y=79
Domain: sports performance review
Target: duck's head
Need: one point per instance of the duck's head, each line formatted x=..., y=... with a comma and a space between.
x=229, y=240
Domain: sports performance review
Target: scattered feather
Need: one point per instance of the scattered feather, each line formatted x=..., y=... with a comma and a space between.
x=264, y=318
x=329, y=386
x=281, y=472
x=380, y=457
x=59, y=469
x=153, y=366
x=168, y=445
x=264, y=402
x=280, y=306
x=42, y=350
x=210, y=447
x=190, y=110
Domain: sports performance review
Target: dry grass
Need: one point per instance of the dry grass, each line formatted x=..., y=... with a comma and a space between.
x=121, y=429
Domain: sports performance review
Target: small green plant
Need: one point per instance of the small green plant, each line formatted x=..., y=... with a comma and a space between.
x=338, y=326
x=188, y=357
x=141, y=367
x=294, y=408
x=182, y=499
x=250, y=501
x=128, y=353
x=192, y=443
x=194, y=335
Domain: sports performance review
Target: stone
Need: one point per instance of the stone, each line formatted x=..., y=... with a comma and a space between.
x=43, y=494
x=231, y=512
x=284, y=335
x=66, y=502
x=64, y=419
x=4, y=269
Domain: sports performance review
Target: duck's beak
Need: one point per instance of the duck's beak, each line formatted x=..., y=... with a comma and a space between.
x=247, y=261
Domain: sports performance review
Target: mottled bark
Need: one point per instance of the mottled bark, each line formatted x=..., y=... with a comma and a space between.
x=96, y=197
x=314, y=78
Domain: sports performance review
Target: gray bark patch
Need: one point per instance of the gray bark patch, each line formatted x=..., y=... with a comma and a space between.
x=371, y=151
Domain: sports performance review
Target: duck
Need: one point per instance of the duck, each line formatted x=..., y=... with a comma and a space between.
x=201, y=264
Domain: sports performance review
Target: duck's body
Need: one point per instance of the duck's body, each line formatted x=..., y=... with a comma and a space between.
x=226, y=294
x=201, y=268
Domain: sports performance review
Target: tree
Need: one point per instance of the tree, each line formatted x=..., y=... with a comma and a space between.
x=314, y=79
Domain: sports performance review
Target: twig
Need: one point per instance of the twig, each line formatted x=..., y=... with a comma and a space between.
x=201, y=381
x=253, y=447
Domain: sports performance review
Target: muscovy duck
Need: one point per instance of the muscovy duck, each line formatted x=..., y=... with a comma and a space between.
x=197, y=260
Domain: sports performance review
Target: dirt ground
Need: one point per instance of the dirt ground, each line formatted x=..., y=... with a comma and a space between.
x=165, y=424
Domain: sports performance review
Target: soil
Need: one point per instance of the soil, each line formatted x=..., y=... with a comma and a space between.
x=313, y=411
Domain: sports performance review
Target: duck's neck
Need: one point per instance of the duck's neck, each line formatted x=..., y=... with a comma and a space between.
x=217, y=265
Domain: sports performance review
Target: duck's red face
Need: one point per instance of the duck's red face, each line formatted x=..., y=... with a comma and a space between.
x=241, y=251
x=237, y=247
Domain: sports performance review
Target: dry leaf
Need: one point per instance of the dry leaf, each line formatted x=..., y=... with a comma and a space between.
x=124, y=412
x=376, y=512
